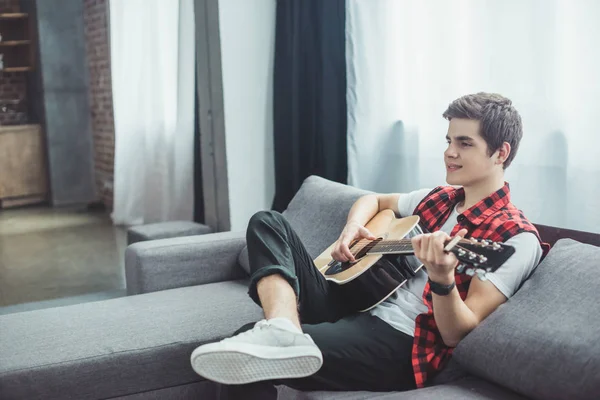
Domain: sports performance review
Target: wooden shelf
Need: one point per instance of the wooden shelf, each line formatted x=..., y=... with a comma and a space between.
x=13, y=15
x=18, y=42
x=16, y=69
x=19, y=128
x=15, y=43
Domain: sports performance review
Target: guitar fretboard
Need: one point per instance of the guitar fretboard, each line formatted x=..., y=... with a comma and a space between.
x=392, y=246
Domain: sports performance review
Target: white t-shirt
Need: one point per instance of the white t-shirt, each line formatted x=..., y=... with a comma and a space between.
x=401, y=309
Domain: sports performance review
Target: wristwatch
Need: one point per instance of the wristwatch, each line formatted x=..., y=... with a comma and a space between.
x=439, y=289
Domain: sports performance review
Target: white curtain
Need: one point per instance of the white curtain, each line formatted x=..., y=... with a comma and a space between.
x=152, y=61
x=408, y=59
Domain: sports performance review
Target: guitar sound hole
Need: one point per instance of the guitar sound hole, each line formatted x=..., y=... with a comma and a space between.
x=337, y=267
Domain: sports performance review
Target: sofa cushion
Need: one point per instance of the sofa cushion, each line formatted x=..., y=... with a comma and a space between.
x=545, y=341
x=317, y=213
x=135, y=344
x=164, y=230
x=470, y=388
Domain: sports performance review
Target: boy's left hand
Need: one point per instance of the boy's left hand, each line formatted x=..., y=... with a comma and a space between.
x=429, y=249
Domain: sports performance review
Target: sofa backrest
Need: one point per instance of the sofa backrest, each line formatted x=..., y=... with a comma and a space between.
x=317, y=213
x=319, y=210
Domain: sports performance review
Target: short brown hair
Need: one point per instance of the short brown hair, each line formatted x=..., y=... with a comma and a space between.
x=500, y=121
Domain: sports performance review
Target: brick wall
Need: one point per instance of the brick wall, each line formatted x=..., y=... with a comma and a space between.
x=13, y=86
x=98, y=54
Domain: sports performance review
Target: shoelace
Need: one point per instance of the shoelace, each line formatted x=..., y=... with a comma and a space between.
x=258, y=326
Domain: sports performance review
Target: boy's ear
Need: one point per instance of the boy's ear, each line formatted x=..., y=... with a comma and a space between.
x=503, y=153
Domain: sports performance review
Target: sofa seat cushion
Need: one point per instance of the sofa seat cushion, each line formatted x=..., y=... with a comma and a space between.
x=470, y=388
x=544, y=342
x=117, y=347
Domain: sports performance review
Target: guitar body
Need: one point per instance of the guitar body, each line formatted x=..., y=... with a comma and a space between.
x=366, y=282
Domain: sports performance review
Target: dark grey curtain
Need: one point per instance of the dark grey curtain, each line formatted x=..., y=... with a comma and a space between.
x=310, y=116
x=198, y=189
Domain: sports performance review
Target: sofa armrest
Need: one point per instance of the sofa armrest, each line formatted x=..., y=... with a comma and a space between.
x=185, y=261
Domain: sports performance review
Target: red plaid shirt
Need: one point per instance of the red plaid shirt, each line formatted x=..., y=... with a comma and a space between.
x=494, y=218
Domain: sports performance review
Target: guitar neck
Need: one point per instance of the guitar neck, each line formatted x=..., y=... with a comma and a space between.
x=483, y=254
x=402, y=246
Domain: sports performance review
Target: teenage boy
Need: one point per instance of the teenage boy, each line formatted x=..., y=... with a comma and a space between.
x=309, y=338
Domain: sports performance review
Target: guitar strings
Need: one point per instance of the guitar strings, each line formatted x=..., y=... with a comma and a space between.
x=358, y=246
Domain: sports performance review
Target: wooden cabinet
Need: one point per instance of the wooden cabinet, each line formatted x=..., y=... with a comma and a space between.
x=23, y=177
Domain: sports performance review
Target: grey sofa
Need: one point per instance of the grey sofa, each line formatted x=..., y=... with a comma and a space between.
x=543, y=343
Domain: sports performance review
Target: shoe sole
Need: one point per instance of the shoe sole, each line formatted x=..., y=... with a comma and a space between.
x=243, y=363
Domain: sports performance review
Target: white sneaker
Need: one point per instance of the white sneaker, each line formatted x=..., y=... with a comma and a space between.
x=267, y=351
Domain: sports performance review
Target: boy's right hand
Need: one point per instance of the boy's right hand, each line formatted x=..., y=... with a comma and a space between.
x=352, y=230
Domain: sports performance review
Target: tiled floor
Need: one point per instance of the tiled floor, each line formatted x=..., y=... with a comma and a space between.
x=62, y=255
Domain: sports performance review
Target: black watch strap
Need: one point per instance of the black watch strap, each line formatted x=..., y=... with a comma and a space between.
x=439, y=289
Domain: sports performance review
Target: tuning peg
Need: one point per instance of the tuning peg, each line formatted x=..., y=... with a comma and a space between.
x=472, y=255
x=481, y=274
x=496, y=246
x=470, y=272
x=460, y=269
x=461, y=252
x=482, y=259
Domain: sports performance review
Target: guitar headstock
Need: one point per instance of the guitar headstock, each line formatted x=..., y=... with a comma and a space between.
x=479, y=256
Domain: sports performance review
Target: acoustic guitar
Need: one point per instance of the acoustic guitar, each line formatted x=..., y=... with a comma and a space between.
x=368, y=282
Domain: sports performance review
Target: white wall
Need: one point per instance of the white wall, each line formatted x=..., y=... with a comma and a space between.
x=247, y=29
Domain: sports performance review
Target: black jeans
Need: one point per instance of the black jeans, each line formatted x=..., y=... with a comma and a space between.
x=360, y=351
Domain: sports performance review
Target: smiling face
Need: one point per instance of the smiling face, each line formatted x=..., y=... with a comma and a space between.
x=467, y=158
